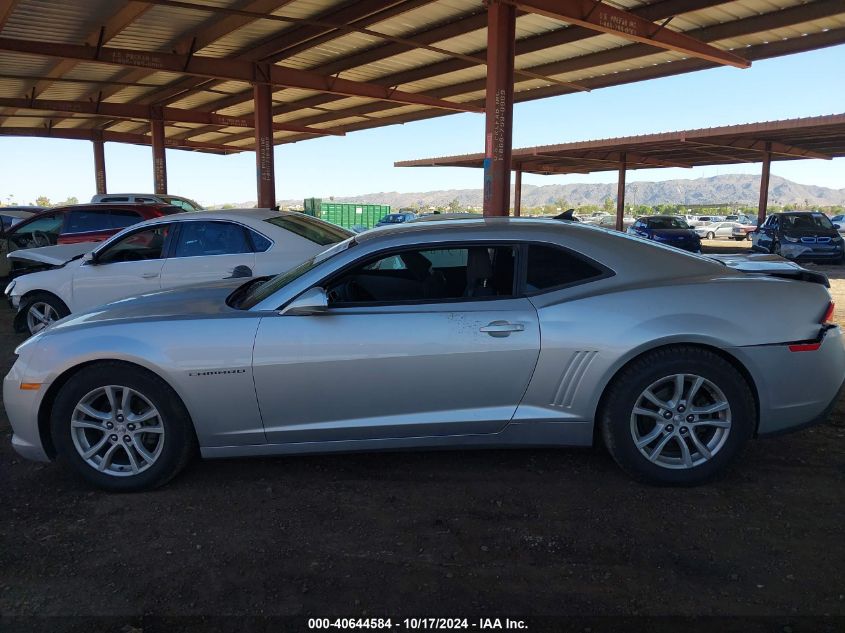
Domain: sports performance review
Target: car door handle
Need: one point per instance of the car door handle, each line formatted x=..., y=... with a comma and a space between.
x=149, y=275
x=501, y=328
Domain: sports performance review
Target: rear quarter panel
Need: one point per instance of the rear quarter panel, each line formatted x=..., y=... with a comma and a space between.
x=590, y=332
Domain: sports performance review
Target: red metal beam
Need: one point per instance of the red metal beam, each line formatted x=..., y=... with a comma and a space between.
x=607, y=19
x=620, y=193
x=501, y=36
x=85, y=134
x=230, y=69
x=517, y=193
x=159, y=158
x=763, y=206
x=135, y=111
x=772, y=147
x=264, y=147
x=99, y=165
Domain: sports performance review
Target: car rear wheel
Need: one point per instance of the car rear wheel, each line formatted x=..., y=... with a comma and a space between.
x=121, y=428
x=677, y=416
x=42, y=309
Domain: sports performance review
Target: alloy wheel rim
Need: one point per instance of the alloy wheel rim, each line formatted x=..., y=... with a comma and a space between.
x=40, y=315
x=681, y=421
x=117, y=431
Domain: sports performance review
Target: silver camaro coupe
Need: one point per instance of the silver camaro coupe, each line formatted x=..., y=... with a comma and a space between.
x=473, y=333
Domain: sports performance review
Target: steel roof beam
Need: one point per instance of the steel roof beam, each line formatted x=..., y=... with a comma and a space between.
x=763, y=146
x=607, y=19
x=81, y=134
x=135, y=111
x=754, y=24
x=229, y=69
x=290, y=41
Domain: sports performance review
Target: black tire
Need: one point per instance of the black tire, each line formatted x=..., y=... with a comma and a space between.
x=179, y=439
x=37, y=298
x=622, y=394
x=776, y=248
x=711, y=236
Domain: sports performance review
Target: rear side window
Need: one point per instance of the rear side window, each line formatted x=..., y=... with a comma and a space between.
x=121, y=218
x=260, y=242
x=115, y=199
x=321, y=233
x=82, y=220
x=170, y=210
x=550, y=267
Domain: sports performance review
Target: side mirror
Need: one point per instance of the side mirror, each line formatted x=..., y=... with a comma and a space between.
x=312, y=301
x=89, y=258
x=836, y=226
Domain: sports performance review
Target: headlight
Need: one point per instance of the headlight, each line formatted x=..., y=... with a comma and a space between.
x=790, y=239
x=836, y=239
x=10, y=287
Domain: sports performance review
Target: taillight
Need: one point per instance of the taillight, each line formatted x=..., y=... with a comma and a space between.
x=805, y=347
x=828, y=314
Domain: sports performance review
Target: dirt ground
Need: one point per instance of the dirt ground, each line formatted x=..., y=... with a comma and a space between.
x=459, y=534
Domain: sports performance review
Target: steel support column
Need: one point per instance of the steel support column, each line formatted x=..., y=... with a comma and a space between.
x=159, y=160
x=517, y=194
x=764, y=185
x=264, y=146
x=620, y=192
x=99, y=165
x=501, y=28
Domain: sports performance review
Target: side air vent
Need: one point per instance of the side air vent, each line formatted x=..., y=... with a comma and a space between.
x=571, y=377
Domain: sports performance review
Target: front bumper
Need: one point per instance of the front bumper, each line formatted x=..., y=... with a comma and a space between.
x=815, y=252
x=796, y=389
x=22, y=410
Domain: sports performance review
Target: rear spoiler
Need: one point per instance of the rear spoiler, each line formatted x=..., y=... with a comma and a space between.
x=772, y=265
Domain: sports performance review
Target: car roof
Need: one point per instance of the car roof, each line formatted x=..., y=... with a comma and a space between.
x=227, y=214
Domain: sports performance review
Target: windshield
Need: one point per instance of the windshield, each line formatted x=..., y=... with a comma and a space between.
x=182, y=203
x=667, y=223
x=260, y=293
x=393, y=218
x=808, y=221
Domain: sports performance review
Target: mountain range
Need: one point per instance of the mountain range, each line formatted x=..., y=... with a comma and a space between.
x=724, y=189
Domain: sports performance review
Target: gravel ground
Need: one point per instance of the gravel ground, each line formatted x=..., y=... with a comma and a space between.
x=495, y=533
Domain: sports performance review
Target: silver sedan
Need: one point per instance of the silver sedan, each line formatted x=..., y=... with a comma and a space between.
x=473, y=333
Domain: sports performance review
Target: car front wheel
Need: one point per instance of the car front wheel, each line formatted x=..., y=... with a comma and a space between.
x=42, y=309
x=121, y=428
x=677, y=416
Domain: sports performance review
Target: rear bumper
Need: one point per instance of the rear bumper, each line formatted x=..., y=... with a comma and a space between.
x=795, y=389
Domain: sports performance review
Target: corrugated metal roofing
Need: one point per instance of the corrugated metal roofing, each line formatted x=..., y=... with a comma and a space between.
x=790, y=139
x=546, y=47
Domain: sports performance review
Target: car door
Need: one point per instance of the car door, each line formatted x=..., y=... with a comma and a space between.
x=415, y=343
x=126, y=267
x=207, y=251
x=86, y=224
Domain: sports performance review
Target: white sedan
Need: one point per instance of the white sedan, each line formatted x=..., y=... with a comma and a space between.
x=170, y=251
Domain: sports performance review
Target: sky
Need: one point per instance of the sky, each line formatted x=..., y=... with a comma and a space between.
x=362, y=162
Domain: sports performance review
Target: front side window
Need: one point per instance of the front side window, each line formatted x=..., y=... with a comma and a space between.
x=42, y=231
x=444, y=274
x=210, y=238
x=550, y=267
x=141, y=245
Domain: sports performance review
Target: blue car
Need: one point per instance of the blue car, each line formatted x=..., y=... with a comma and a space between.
x=396, y=218
x=667, y=229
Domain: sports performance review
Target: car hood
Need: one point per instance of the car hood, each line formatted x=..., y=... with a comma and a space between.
x=54, y=255
x=199, y=300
